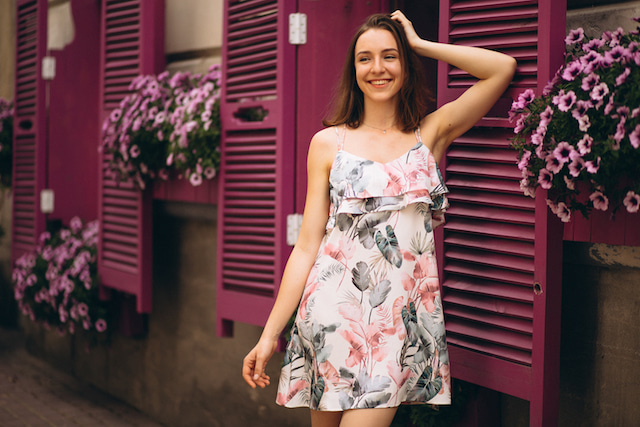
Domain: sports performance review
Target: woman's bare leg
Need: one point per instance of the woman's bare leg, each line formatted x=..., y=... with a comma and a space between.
x=325, y=418
x=376, y=417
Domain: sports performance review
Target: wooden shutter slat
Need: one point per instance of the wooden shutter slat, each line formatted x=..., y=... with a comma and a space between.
x=487, y=301
x=491, y=243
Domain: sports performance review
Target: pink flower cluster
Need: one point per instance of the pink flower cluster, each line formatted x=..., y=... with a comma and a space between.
x=56, y=283
x=582, y=134
x=167, y=123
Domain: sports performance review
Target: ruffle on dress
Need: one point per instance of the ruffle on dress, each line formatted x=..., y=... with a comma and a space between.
x=357, y=187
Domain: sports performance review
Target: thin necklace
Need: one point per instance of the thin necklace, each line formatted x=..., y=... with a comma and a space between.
x=384, y=131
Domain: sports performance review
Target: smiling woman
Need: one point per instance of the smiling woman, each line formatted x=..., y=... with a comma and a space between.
x=369, y=330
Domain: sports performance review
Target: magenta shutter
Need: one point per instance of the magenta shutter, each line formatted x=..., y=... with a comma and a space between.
x=257, y=173
x=29, y=140
x=132, y=43
x=501, y=252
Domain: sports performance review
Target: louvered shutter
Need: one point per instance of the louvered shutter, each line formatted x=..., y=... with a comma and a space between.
x=29, y=140
x=257, y=171
x=132, y=43
x=500, y=252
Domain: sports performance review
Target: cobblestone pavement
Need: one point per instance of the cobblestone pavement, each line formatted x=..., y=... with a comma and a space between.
x=32, y=393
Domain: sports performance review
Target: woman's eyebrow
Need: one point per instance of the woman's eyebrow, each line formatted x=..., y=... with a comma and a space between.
x=391, y=49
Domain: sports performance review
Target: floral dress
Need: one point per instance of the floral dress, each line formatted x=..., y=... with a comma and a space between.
x=369, y=331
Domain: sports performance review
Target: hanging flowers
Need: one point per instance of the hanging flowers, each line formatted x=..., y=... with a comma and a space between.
x=582, y=135
x=56, y=284
x=6, y=141
x=168, y=124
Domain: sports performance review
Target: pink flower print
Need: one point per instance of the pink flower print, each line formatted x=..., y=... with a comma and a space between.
x=101, y=325
x=396, y=309
x=563, y=152
x=564, y=101
x=569, y=182
x=545, y=179
x=599, y=91
x=424, y=267
x=590, y=81
x=524, y=160
x=592, y=166
x=575, y=36
x=408, y=282
x=357, y=350
x=576, y=166
x=572, y=70
x=632, y=202
x=428, y=290
x=599, y=200
x=584, y=145
x=294, y=389
x=195, y=179
x=634, y=137
x=623, y=76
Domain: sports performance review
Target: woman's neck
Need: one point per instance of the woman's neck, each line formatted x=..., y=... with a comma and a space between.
x=380, y=115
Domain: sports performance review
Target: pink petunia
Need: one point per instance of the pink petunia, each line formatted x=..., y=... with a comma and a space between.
x=134, y=151
x=590, y=81
x=545, y=117
x=592, y=166
x=563, y=212
x=593, y=44
x=599, y=91
x=553, y=164
x=572, y=70
x=170, y=159
x=524, y=160
x=571, y=185
x=623, y=76
x=565, y=101
x=537, y=138
x=599, y=200
x=584, y=123
x=209, y=172
x=634, y=137
x=83, y=309
x=576, y=166
x=563, y=152
x=101, y=325
x=195, y=179
x=545, y=179
x=632, y=202
x=584, y=145
x=575, y=36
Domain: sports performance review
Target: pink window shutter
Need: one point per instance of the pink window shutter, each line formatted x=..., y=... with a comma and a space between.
x=500, y=252
x=257, y=174
x=132, y=41
x=29, y=134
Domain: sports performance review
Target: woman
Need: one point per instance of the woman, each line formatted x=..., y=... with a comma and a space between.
x=369, y=331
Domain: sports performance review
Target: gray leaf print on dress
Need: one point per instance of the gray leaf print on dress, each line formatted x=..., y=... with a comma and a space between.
x=389, y=246
x=361, y=276
x=379, y=293
x=367, y=227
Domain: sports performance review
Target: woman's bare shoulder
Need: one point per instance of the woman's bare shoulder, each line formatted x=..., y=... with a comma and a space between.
x=324, y=145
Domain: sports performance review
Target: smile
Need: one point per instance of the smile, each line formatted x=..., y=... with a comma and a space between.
x=379, y=82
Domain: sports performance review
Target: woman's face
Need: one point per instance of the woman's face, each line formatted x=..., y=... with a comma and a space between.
x=377, y=65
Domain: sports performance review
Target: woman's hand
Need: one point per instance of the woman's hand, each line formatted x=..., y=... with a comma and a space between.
x=255, y=362
x=412, y=36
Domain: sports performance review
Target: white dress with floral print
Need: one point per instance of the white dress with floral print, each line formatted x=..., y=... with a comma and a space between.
x=369, y=331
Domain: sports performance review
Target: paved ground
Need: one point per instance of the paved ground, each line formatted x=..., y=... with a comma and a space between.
x=34, y=394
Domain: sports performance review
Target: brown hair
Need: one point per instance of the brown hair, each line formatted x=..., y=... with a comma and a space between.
x=348, y=102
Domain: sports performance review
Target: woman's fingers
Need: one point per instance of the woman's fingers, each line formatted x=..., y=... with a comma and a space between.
x=410, y=32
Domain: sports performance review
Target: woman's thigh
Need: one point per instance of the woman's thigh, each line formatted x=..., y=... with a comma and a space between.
x=376, y=417
x=325, y=418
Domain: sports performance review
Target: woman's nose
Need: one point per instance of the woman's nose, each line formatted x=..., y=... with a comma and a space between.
x=378, y=65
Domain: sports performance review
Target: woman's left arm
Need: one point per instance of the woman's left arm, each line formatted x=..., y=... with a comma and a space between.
x=493, y=69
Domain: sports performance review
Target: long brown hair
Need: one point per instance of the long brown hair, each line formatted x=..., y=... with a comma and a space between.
x=348, y=102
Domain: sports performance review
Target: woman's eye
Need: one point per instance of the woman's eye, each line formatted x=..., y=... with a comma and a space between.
x=363, y=59
x=391, y=57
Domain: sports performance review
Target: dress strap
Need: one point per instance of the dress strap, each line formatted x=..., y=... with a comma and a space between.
x=417, y=132
x=344, y=134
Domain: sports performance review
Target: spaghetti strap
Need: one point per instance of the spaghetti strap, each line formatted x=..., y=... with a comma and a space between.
x=341, y=140
x=417, y=132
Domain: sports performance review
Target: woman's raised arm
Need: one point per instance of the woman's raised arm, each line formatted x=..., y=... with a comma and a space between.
x=493, y=69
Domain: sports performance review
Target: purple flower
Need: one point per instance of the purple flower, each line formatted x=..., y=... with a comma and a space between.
x=575, y=36
x=572, y=70
x=584, y=145
x=537, y=138
x=115, y=115
x=620, y=132
x=632, y=202
x=564, y=101
x=584, y=123
x=563, y=152
x=634, y=137
x=581, y=109
x=623, y=76
x=592, y=165
x=134, y=151
x=195, y=179
x=609, y=107
x=101, y=325
x=618, y=54
x=170, y=159
x=599, y=200
x=591, y=62
x=545, y=178
x=563, y=212
x=83, y=309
